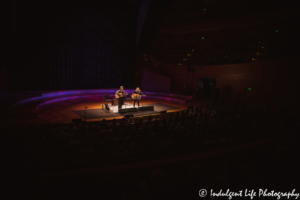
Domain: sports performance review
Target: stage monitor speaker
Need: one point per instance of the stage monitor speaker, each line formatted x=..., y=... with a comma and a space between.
x=150, y=107
x=133, y=109
x=128, y=116
x=163, y=111
x=77, y=120
x=124, y=110
x=142, y=108
x=216, y=94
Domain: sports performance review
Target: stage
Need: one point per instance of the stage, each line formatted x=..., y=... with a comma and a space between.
x=113, y=112
x=37, y=108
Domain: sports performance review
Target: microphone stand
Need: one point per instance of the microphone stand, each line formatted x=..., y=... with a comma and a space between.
x=141, y=98
x=124, y=98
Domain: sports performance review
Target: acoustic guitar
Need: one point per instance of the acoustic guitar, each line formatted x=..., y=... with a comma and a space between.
x=120, y=94
x=137, y=96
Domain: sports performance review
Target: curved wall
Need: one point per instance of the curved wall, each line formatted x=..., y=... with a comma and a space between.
x=271, y=82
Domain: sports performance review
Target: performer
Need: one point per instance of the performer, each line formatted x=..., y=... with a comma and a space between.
x=120, y=96
x=136, y=96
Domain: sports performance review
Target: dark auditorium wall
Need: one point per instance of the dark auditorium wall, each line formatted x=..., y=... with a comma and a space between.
x=271, y=82
x=3, y=79
x=151, y=78
x=155, y=82
x=73, y=44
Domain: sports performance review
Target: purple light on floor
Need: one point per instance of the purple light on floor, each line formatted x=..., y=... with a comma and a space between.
x=106, y=91
x=57, y=100
x=72, y=92
x=27, y=100
x=90, y=96
x=98, y=92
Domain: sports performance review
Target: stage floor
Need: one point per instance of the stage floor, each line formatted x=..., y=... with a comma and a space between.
x=57, y=111
x=113, y=112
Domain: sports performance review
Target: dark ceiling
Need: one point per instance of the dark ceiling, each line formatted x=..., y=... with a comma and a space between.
x=180, y=12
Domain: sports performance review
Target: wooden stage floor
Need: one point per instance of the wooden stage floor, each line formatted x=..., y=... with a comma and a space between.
x=59, y=112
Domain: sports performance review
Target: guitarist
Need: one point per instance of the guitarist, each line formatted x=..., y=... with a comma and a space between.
x=136, y=96
x=120, y=96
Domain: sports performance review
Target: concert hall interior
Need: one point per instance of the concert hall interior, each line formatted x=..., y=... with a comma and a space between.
x=149, y=99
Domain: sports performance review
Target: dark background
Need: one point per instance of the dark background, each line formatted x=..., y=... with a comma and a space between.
x=71, y=44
